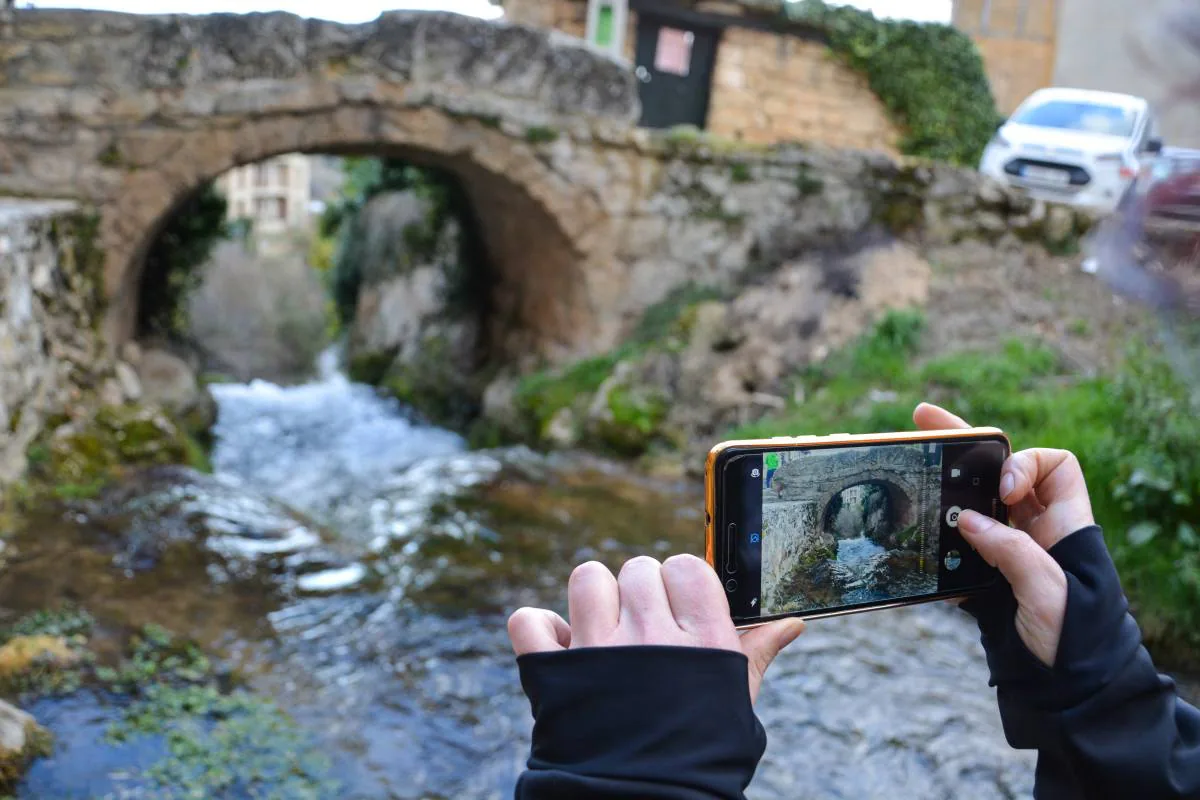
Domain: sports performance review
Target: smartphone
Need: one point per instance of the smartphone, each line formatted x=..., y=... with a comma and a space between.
x=821, y=526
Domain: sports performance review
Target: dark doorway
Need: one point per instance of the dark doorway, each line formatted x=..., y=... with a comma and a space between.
x=675, y=67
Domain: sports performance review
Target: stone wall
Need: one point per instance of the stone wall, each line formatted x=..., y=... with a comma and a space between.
x=767, y=87
x=1017, y=41
x=133, y=113
x=49, y=305
x=775, y=88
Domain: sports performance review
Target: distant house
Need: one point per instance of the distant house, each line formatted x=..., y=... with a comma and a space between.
x=273, y=194
x=1111, y=45
x=738, y=68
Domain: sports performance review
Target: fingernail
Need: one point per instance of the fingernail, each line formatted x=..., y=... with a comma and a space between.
x=1007, y=484
x=971, y=521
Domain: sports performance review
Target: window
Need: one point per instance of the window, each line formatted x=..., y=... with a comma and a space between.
x=281, y=173
x=260, y=175
x=1080, y=116
x=606, y=23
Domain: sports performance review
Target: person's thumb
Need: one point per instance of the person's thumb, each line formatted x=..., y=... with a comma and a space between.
x=536, y=630
x=763, y=643
x=1020, y=559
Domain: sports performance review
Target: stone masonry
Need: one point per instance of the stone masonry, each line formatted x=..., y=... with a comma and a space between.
x=587, y=220
x=767, y=86
x=49, y=298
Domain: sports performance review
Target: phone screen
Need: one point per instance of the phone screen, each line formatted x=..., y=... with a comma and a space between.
x=809, y=530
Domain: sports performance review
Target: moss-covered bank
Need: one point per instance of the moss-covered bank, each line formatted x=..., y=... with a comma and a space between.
x=75, y=459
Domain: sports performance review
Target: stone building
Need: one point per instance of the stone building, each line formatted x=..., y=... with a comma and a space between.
x=1110, y=45
x=273, y=194
x=738, y=68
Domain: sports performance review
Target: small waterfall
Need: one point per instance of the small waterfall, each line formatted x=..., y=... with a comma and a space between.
x=857, y=567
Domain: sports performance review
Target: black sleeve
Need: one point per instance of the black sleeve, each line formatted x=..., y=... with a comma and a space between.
x=1104, y=722
x=645, y=722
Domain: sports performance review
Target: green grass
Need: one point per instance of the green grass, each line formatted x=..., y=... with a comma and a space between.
x=663, y=325
x=1135, y=431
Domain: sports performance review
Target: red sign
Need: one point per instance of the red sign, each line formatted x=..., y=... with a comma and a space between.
x=674, y=52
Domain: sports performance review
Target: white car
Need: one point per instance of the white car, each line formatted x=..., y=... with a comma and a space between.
x=1075, y=146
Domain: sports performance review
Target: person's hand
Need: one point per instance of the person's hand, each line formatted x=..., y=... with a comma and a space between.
x=1047, y=501
x=679, y=602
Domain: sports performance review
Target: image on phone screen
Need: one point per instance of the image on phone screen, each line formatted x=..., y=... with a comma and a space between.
x=830, y=528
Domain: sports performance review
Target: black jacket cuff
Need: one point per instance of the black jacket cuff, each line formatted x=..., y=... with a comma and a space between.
x=1099, y=636
x=640, y=722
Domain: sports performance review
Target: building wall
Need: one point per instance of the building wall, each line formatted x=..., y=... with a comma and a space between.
x=771, y=88
x=766, y=87
x=1016, y=39
x=1110, y=45
x=1120, y=46
x=274, y=193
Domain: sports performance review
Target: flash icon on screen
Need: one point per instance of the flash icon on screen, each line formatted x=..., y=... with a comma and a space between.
x=753, y=602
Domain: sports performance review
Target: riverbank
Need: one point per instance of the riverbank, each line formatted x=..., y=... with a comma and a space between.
x=345, y=574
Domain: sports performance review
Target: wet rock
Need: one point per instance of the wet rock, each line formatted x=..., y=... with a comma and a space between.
x=127, y=378
x=417, y=325
x=168, y=381
x=84, y=455
x=154, y=511
x=562, y=430
x=21, y=741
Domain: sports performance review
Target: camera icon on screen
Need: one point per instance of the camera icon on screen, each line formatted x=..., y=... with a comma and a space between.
x=952, y=516
x=755, y=473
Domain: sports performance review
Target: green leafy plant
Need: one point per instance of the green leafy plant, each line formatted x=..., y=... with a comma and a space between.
x=172, y=269
x=219, y=742
x=930, y=77
x=368, y=177
x=1134, y=430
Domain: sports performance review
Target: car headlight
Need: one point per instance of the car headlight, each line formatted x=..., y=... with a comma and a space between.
x=1127, y=168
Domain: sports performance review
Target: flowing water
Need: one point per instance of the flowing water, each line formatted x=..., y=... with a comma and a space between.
x=358, y=568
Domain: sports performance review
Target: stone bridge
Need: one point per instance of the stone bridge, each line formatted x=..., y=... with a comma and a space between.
x=132, y=114
x=799, y=505
x=817, y=476
x=587, y=220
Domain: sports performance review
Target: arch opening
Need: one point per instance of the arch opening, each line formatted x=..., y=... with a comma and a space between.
x=877, y=509
x=537, y=305
x=528, y=274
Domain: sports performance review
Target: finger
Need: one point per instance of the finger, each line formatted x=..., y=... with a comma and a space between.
x=595, y=608
x=763, y=643
x=929, y=417
x=536, y=630
x=698, y=601
x=644, y=602
x=1021, y=560
x=1049, y=481
x=1022, y=515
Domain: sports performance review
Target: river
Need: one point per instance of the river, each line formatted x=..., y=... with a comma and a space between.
x=358, y=568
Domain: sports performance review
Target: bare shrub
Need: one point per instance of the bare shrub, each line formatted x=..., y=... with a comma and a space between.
x=259, y=315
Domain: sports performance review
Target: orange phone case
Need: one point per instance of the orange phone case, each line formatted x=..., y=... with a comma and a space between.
x=779, y=443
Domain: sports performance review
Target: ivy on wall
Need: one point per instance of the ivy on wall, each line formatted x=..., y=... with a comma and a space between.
x=929, y=76
x=173, y=265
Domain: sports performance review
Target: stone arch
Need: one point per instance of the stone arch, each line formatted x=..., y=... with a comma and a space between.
x=815, y=477
x=902, y=495
x=531, y=221
x=141, y=111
